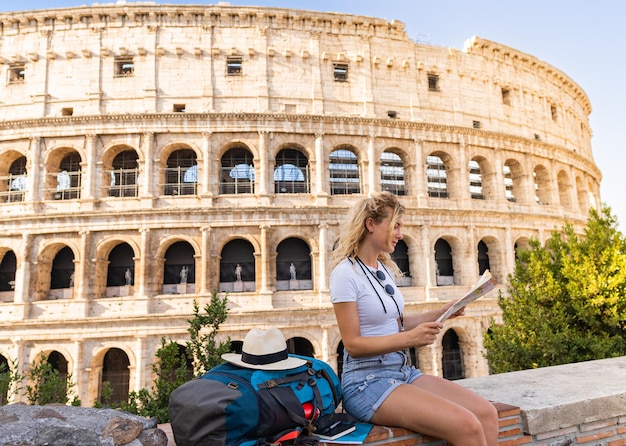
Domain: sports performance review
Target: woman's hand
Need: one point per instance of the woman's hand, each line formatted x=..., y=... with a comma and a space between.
x=425, y=334
x=457, y=313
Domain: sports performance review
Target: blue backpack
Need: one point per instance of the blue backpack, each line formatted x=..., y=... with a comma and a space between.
x=236, y=406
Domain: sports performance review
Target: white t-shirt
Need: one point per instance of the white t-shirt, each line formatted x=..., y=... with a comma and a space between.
x=350, y=283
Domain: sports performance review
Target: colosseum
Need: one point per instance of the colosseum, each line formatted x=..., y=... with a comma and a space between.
x=151, y=155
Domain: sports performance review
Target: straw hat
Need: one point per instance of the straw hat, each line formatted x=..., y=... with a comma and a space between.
x=264, y=350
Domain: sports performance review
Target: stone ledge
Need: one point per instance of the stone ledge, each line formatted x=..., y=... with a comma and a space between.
x=554, y=398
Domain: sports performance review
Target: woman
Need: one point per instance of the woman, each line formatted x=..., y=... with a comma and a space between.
x=378, y=383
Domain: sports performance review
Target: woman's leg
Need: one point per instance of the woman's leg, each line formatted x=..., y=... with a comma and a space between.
x=442, y=409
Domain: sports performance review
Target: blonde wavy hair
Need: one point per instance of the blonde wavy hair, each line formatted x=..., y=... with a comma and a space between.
x=377, y=207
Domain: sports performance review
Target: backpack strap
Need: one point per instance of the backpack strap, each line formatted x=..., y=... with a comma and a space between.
x=306, y=377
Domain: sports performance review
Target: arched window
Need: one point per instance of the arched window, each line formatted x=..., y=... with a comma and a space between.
x=125, y=175
x=300, y=346
x=401, y=256
x=5, y=381
x=237, y=268
x=392, y=173
x=179, y=268
x=58, y=362
x=121, y=270
x=8, y=268
x=62, y=273
x=293, y=265
x=291, y=172
x=581, y=194
x=508, y=183
x=344, y=173
x=68, y=179
x=443, y=263
x=476, y=181
x=115, y=372
x=452, y=360
x=483, y=257
x=437, y=177
x=237, y=172
x=15, y=182
x=564, y=190
x=181, y=173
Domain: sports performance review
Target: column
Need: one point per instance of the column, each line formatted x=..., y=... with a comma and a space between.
x=371, y=166
x=427, y=259
x=22, y=365
x=89, y=168
x=495, y=184
x=320, y=162
x=141, y=363
x=34, y=186
x=264, y=292
x=147, y=181
x=461, y=188
x=144, y=273
x=421, y=185
x=204, y=277
x=265, y=270
x=263, y=178
x=78, y=371
x=208, y=178
x=21, y=294
x=81, y=293
x=322, y=285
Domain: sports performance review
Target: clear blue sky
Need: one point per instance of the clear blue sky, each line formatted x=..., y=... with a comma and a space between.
x=584, y=39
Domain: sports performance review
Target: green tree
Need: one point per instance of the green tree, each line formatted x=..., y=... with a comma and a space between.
x=203, y=329
x=10, y=380
x=567, y=300
x=171, y=370
x=46, y=384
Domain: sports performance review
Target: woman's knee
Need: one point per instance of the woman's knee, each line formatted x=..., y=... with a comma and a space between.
x=487, y=412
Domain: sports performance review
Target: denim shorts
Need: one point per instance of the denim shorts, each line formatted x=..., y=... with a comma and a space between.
x=367, y=382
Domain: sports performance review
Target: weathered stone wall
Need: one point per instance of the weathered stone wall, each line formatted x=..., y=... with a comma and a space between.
x=63, y=95
x=26, y=425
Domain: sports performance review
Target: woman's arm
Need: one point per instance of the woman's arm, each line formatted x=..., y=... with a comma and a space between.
x=413, y=320
x=363, y=346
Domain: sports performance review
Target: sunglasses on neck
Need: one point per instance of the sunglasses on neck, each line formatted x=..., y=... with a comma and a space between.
x=381, y=278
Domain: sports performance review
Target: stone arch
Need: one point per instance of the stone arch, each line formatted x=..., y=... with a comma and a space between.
x=294, y=264
x=394, y=176
x=63, y=172
x=99, y=374
x=447, y=261
x=452, y=366
x=103, y=250
x=582, y=195
x=239, y=168
x=179, y=169
x=160, y=257
x=237, y=267
x=8, y=271
x=488, y=190
x=121, y=169
x=515, y=181
x=442, y=174
x=47, y=253
x=565, y=188
x=291, y=172
x=14, y=167
x=542, y=185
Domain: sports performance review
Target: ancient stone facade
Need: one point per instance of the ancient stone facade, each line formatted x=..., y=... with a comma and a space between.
x=150, y=155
